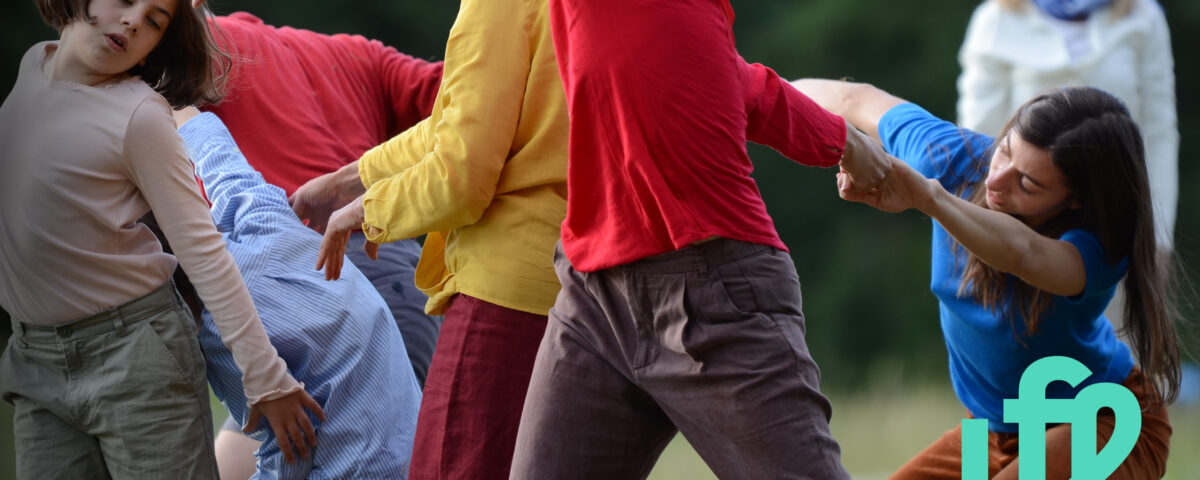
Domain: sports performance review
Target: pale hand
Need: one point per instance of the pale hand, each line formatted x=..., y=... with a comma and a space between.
x=333, y=245
x=903, y=188
x=316, y=200
x=287, y=419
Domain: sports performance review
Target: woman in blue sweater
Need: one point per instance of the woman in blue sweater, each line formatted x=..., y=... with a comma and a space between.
x=1032, y=233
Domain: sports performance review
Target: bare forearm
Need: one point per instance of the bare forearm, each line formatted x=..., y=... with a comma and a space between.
x=861, y=104
x=346, y=181
x=1008, y=244
x=994, y=237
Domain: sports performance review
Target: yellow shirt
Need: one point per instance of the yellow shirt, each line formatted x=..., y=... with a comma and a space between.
x=485, y=174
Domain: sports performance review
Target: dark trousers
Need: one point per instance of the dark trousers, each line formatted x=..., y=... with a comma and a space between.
x=708, y=340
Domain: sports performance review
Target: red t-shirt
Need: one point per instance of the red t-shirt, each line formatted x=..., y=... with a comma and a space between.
x=661, y=106
x=301, y=104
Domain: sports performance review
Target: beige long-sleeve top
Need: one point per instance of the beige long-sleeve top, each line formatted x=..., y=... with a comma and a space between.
x=80, y=164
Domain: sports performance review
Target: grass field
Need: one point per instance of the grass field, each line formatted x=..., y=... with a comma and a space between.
x=878, y=430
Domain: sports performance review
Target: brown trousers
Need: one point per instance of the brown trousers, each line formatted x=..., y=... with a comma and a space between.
x=708, y=339
x=1148, y=460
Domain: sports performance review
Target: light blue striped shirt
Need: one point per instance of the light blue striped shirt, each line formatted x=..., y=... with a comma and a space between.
x=337, y=337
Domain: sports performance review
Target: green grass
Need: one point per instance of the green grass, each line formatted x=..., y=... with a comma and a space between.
x=881, y=429
x=878, y=430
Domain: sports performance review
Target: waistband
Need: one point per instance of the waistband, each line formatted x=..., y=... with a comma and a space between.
x=697, y=257
x=131, y=312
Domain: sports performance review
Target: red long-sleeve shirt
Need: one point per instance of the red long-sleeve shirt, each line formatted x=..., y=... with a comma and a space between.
x=661, y=106
x=302, y=104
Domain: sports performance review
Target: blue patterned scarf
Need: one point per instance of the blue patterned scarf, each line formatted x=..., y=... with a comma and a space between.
x=1070, y=9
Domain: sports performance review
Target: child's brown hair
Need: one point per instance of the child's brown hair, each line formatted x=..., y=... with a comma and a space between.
x=186, y=67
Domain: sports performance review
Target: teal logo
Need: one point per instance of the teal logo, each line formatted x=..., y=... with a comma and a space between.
x=1031, y=411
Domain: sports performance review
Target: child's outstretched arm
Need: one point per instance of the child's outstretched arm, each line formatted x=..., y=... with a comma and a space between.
x=157, y=163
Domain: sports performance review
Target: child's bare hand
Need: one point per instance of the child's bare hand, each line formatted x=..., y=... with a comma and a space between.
x=287, y=419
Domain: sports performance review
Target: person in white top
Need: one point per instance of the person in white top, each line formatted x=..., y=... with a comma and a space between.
x=104, y=369
x=1016, y=49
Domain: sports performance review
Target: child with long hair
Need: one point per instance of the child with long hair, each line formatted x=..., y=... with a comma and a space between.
x=104, y=369
x=1033, y=231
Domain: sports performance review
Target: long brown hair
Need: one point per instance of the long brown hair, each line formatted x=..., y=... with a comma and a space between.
x=186, y=67
x=1092, y=139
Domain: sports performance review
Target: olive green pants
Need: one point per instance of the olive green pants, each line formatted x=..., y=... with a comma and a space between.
x=121, y=394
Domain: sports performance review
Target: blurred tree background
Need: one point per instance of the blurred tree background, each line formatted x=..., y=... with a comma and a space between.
x=864, y=273
x=871, y=318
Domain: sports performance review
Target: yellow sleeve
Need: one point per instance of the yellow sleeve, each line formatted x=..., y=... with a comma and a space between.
x=468, y=136
x=395, y=155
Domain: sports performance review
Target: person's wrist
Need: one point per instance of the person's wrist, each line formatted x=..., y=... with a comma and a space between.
x=929, y=201
x=347, y=183
x=850, y=148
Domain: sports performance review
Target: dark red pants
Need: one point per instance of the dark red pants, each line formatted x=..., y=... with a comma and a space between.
x=476, y=386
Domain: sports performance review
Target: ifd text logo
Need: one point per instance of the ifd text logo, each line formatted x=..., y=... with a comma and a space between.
x=1031, y=411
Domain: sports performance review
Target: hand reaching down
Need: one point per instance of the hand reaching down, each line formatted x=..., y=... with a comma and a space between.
x=337, y=232
x=287, y=420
